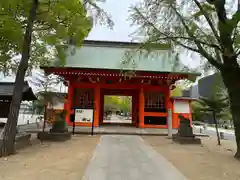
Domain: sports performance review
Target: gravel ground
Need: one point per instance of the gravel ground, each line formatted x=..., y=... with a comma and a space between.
x=47, y=161
x=206, y=162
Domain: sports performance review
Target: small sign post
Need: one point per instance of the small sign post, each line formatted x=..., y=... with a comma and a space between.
x=92, y=130
x=72, y=120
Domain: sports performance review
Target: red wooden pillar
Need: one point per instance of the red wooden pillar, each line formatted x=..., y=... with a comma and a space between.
x=97, y=100
x=69, y=102
x=141, y=108
x=134, y=109
x=101, y=113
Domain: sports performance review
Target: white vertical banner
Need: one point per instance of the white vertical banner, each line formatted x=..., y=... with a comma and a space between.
x=181, y=106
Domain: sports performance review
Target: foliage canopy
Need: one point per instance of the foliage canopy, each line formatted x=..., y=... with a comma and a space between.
x=118, y=103
x=207, y=27
x=58, y=22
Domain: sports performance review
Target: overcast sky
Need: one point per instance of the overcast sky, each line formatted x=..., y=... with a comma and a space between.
x=122, y=28
x=119, y=10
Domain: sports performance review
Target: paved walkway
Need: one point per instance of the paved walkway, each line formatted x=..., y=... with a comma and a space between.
x=123, y=157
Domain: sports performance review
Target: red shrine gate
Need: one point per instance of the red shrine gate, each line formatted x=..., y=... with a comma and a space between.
x=150, y=94
x=88, y=81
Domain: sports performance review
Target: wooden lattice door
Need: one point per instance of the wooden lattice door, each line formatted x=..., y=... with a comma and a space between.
x=83, y=98
x=154, y=102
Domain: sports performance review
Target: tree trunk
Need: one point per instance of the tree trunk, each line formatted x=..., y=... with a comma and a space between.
x=44, y=117
x=216, y=127
x=10, y=129
x=231, y=80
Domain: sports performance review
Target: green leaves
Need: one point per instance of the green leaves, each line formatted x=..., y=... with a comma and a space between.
x=61, y=54
x=177, y=92
x=192, y=26
x=217, y=104
x=10, y=35
x=60, y=21
x=207, y=8
x=233, y=23
x=50, y=39
x=161, y=46
x=205, y=106
x=56, y=23
x=119, y=103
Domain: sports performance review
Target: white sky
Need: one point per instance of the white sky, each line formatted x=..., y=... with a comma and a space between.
x=119, y=10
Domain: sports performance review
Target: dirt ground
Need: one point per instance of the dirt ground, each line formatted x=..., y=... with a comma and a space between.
x=47, y=161
x=206, y=162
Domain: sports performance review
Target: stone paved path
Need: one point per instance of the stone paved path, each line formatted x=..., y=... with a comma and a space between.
x=123, y=157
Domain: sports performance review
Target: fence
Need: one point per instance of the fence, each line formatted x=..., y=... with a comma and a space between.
x=24, y=119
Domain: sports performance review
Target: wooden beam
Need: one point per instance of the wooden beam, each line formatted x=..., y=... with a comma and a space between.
x=69, y=102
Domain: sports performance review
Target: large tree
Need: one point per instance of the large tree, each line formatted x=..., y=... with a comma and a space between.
x=34, y=29
x=207, y=27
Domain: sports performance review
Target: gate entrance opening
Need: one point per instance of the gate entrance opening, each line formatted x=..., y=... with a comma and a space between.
x=119, y=107
x=117, y=110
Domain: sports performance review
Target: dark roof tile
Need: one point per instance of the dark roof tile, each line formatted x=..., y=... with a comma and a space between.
x=6, y=91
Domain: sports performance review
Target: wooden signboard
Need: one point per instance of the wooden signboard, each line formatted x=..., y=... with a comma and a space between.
x=84, y=115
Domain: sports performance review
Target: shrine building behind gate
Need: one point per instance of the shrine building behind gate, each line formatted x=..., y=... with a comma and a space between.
x=98, y=68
